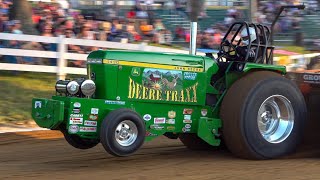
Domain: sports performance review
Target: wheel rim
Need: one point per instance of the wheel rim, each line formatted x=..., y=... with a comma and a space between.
x=126, y=133
x=275, y=119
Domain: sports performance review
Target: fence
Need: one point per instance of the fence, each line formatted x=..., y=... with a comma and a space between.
x=292, y=62
x=62, y=55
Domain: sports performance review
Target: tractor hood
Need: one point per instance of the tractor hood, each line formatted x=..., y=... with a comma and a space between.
x=149, y=59
x=150, y=76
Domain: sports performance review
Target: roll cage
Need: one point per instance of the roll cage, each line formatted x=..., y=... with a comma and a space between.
x=261, y=45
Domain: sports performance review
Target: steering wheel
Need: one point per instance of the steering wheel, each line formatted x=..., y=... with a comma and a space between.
x=228, y=50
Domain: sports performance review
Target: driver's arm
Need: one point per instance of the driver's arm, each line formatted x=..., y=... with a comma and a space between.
x=243, y=50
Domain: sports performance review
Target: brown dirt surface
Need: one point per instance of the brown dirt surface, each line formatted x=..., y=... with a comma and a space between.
x=46, y=155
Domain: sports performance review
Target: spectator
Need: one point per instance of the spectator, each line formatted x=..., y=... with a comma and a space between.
x=74, y=48
x=115, y=31
x=158, y=25
x=87, y=34
x=147, y=30
x=133, y=35
x=131, y=14
x=16, y=28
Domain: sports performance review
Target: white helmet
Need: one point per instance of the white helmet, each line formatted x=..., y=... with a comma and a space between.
x=245, y=37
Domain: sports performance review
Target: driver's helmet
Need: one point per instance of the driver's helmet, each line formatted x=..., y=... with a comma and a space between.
x=245, y=36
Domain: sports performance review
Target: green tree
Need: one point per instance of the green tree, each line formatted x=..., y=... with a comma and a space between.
x=21, y=10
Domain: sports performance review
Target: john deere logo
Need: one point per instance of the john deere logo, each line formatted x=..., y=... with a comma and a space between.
x=204, y=112
x=135, y=71
x=171, y=114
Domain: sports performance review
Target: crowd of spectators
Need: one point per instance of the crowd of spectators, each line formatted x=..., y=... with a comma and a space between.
x=267, y=10
x=138, y=24
x=211, y=37
x=51, y=20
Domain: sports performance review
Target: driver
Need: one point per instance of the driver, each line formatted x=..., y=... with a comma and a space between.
x=242, y=50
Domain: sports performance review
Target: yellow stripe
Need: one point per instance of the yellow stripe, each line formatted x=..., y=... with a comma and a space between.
x=150, y=65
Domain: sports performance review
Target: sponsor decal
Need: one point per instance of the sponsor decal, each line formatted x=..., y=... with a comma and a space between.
x=171, y=128
x=93, y=117
x=76, y=115
x=188, y=126
x=37, y=104
x=76, y=105
x=88, y=129
x=204, y=112
x=73, y=129
x=170, y=121
x=171, y=114
x=187, y=111
x=187, y=117
x=185, y=130
x=189, y=75
x=76, y=110
x=147, y=117
x=94, y=111
x=187, y=121
x=162, y=85
x=74, y=120
x=159, y=120
x=150, y=134
x=313, y=78
x=148, y=65
x=115, y=102
x=156, y=127
x=90, y=123
x=118, y=98
x=135, y=71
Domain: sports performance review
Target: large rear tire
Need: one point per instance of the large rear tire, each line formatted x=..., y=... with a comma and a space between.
x=122, y=132
x=263, y=116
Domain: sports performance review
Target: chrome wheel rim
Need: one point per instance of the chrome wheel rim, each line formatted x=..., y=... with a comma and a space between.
x=275, y=119
x=126, y=133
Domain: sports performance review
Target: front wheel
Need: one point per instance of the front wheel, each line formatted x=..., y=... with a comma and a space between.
x=267, y=119
x=122, y=132
x=78, y=142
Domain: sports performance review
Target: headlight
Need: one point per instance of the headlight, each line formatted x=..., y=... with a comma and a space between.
x=78, y=87
x=73, y=87
x=88, y=87
x=61, y=86
x=67, y=87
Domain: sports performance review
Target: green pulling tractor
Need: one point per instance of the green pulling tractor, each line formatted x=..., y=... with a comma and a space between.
x=239, y=99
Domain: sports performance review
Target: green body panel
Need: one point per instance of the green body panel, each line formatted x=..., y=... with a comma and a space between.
x=149, y=57
x=253, y=66
x=48, y=113
x=175, y=117
x=208, y=129
x=169, y=91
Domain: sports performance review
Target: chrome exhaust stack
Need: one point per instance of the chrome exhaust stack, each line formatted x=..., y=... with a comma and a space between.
x=193, y=38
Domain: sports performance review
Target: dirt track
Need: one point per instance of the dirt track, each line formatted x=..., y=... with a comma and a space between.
x=46, y=155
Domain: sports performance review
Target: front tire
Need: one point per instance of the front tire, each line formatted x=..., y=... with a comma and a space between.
x=267, y=119
x=122, y=132
x=78, y=142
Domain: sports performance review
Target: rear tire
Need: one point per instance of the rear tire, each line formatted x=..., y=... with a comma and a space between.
x=247, y=98
x=122, y=132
